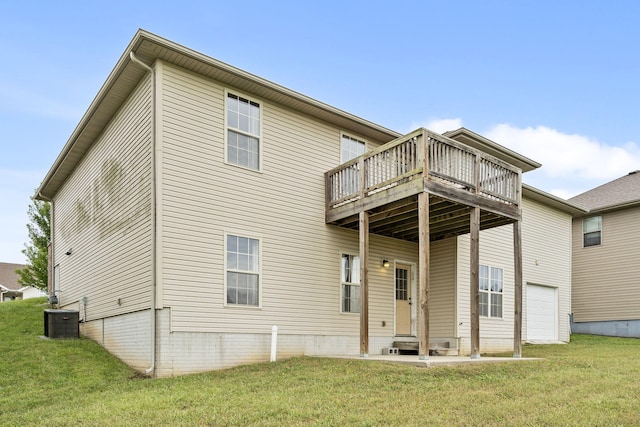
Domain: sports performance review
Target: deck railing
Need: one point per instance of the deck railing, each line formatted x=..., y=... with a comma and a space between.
x=403, y=159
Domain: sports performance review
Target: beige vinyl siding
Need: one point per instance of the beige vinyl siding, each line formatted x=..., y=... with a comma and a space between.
x=442, y=289
x=496, y=250
x=102, y=213
x=546, y=257
x=283, y=205
x=606, y=278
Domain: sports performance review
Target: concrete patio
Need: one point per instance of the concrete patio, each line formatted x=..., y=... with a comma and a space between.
x=434, y=361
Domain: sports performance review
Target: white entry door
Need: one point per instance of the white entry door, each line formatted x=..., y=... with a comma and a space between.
x=403, y=299
x=542, y=313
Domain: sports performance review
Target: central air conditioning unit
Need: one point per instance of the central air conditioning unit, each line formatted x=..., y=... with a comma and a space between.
x=62, y=323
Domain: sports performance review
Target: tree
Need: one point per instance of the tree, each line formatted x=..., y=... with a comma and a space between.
x=36, y=272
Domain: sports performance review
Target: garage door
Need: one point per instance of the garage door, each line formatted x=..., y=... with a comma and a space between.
x=542, y=313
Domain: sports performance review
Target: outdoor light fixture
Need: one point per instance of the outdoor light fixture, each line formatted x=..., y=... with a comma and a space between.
x=385, y=263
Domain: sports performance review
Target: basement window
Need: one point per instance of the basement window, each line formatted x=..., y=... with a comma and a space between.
x=592, y=231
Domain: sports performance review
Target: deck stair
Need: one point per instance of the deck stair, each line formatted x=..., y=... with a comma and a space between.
x=437, y=348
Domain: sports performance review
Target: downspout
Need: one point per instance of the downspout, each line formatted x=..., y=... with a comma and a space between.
x=151, y=71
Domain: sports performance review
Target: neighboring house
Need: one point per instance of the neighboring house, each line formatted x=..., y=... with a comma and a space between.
x=196, y=205
x=10, y=288
x=606, y=259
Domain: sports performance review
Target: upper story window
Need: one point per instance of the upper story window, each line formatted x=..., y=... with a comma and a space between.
x=350, y=283
x=243, y=271
x=592, y=231
x=351, y=148
x=491, y=285
x=243, y=132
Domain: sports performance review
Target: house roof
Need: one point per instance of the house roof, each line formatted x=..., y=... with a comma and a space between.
x=618, y=194
x=149, y=47
x=551, y=200
x=125, y=76
x=9, y=277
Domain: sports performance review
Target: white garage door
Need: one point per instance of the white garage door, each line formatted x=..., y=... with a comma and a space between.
x=542, y=313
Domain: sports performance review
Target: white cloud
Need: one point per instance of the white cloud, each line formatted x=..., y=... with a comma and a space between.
x=438, y=125
x=562, y=193
x=568, y=154
x=571, y=163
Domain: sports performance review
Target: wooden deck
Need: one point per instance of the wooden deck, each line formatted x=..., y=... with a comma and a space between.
x=386, y=182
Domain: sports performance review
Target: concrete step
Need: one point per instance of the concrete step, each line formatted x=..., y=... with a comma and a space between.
x=411, y=346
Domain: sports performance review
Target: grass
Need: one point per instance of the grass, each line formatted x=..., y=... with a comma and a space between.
x=592, y=381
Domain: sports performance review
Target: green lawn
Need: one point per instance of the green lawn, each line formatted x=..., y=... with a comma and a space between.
x=593, y=381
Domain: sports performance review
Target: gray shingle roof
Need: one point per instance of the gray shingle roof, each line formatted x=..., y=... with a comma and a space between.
x=8, y=275
x=621, y=191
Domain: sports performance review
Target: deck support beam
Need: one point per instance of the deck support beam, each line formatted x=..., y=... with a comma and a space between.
x=423, y=282
x=364, y=283
x=517, y=267
x=475, y=282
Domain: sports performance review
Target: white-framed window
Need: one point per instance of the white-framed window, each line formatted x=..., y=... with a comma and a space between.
x=491, y=287
x=350, y=283
x=351, y=147
x=592, y=231
x=242, y=275
x=243, y=131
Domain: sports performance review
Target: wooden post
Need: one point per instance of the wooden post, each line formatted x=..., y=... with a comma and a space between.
x=475, y=282
x=423, y=282
x=362, y=177
x=364, y=283
x=328, y=192
x=517, y=266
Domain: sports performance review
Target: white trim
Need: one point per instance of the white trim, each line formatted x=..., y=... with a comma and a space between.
x=414, y=295
x=260, y=103
x=489, y=292
x=158, y=146
x=224, y=270
x=341, y=283
x=601, y=233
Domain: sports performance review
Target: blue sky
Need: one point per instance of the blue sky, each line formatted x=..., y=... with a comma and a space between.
x=558, y=81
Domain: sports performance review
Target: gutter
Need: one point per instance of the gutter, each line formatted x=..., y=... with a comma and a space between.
x=549, y=199
x=151, y=369
x=609, y=208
